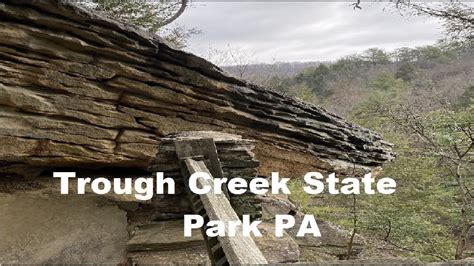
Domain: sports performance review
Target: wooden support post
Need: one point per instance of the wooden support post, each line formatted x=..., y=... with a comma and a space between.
x=200, y=155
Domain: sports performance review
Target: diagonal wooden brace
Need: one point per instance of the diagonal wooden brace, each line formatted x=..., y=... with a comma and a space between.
x=200, y=155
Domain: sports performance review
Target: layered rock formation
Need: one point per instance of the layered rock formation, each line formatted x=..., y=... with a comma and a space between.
x=236, y=158
x=80, y=90
x=234, y=155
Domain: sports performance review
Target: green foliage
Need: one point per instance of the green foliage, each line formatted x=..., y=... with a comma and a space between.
x=299, y=90
x=142, y=13
x=446, y=127
x=376, y=56
x=420, y=215
x=405, y=55
x=280, y=84
x=149, y=15
x=466, y=99
x=387, y=83
x=303, y=92
x=316, y=79
x=298, y=196
x=428, y=55
x=384, y=90
x=412, y=65
x=348, y=67
x=406, y=72
x=431, y=53
x=423, y=217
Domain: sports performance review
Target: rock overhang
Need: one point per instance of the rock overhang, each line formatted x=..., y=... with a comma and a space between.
x=79, y=89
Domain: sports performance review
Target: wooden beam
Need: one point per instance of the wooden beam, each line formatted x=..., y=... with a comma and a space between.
x=238, y=249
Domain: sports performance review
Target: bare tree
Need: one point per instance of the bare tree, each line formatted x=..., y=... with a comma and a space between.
x=457, y=17
x=451, y=140
x=236, y=59
x=355, y=221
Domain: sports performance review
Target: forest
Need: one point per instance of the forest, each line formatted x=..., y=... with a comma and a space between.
x=421, y=100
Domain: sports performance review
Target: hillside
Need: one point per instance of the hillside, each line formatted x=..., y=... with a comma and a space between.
x=260, y=73
x=420, y=99
x=340, y=85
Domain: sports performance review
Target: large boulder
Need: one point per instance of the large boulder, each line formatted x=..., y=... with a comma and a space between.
x=333, y=243
x=163, y=236
x=276, y=249
x=38, y=227
x=276, y=204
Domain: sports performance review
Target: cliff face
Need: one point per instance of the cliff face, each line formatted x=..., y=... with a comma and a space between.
x=80, y=90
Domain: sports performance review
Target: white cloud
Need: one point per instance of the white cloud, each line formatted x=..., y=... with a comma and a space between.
x=304, y=31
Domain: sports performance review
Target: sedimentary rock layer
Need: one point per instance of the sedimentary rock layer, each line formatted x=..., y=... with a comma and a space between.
x=78, y=89
x=236, y=159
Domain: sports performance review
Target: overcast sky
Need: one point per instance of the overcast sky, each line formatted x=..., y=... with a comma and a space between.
x=302, y=31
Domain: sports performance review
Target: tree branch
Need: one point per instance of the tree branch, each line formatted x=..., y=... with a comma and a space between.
x=184, y=4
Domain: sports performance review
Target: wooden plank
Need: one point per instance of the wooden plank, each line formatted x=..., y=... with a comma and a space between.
x=200, y=155
x=204, y=148
x=238, y=249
